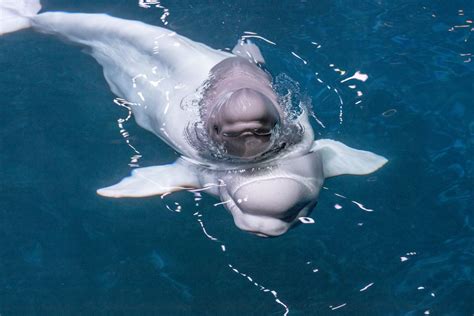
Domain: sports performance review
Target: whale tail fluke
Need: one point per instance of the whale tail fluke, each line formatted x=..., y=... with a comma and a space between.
x=15, y=14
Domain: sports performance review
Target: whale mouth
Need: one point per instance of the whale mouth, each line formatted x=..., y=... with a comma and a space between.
x=246, y=145
x=278, y=139
x=252, y=129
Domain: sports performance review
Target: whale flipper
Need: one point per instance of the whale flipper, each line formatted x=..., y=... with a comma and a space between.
x=248, y=50
x=338, y=159
x=156, y=180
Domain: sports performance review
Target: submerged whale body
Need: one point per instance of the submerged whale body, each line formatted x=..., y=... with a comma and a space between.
x=236, y=141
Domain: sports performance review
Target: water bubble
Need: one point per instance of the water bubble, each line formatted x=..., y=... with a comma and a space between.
x=389, y=113
x=306, y=220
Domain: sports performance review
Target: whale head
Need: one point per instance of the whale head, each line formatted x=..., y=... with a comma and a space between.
x=243, y=123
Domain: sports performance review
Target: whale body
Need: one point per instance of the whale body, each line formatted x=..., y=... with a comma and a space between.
x=216, y=109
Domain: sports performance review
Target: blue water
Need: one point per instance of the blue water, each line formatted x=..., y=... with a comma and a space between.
x=66, y=251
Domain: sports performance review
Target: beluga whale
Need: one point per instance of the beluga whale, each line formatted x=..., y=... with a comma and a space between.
x=217, y=109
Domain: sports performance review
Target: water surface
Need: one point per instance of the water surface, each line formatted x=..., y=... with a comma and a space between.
x=66, y=251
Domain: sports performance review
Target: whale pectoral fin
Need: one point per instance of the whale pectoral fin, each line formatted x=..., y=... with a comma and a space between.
x=151, y=181
x=338, y=159
x=248, y=50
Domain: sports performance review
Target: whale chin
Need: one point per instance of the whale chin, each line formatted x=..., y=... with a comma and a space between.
x=261, y=227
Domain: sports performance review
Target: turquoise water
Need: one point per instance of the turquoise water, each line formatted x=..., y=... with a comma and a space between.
x=66, y=251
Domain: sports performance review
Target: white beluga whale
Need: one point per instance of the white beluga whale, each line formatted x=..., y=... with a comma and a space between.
x=217, y=109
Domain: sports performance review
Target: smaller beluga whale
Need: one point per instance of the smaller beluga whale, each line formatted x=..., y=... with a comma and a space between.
x=218, y=110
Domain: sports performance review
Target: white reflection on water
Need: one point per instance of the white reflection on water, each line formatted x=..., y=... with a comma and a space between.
x=299, y=57
x=359, y=204
x=337, y=307
x=262, y=288
x=366, y=287
x=246, y=276
x=120, y=123
x=146, y=4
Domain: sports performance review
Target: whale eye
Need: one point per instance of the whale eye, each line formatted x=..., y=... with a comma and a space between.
x=216, y=129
